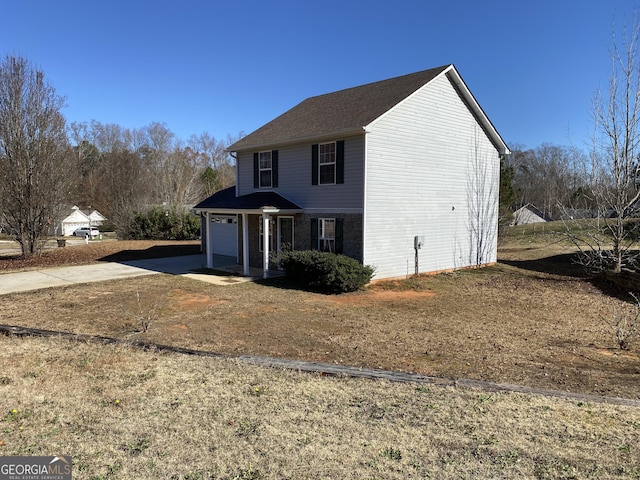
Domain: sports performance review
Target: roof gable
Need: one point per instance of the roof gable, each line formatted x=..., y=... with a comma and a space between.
x=342, y=112
x=227, y=199
x=75, y=216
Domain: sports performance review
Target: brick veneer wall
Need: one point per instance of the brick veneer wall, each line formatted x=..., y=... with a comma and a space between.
x=352, y=238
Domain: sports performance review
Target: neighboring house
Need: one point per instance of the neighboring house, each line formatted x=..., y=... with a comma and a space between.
x=529, y=214
x=95, y=217
x=368, y=172
x=76, y=218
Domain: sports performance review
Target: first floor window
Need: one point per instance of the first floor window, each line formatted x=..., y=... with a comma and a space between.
x=327, y=234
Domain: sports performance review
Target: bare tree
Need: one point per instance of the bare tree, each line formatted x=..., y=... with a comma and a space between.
x=34, y=153
x=218, y=171
x=482, y=200
x=616, y=115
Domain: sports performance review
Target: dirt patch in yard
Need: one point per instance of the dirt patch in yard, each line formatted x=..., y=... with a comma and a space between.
x=181, y=300
x=377, y=294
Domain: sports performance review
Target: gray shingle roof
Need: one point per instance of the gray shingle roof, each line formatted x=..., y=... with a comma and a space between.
x=341, y=112
x=226, y=199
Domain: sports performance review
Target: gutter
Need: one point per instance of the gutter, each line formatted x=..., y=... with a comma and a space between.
x=351, y=132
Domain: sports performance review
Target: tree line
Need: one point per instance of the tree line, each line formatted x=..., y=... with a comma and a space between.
x=122, y=171
x=47, y=165
x=556, y=179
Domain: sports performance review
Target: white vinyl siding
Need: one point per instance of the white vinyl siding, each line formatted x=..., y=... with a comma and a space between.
x=428, y=161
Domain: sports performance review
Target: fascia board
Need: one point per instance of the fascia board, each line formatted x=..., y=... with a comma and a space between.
x=301, y=140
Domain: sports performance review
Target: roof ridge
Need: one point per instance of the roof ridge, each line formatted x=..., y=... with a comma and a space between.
x=341, y=112
x=386, y=80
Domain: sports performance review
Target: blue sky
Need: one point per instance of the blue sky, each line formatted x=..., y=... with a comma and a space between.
x=224, y=67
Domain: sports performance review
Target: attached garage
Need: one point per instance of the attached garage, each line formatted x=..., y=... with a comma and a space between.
x=224, y=236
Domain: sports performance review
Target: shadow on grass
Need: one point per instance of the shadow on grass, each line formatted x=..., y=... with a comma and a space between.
x=564, y=264
x=157, y=251
x=213, y=271
x=286, y=283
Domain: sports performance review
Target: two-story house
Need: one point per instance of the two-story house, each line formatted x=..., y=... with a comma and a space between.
x=401, y=174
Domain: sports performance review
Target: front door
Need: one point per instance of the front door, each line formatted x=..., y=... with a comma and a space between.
x=285, y=233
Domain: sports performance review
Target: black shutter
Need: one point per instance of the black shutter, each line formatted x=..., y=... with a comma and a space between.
x=314, y=164
x=314, y=234
x=339, y=234
x=340, y=161
x=274, y=168
x=256, y=171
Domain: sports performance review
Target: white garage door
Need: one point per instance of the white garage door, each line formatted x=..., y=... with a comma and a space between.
x=69, y=228
x=224, y=236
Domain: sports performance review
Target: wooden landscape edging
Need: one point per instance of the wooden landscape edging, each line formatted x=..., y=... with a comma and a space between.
x=324, y=368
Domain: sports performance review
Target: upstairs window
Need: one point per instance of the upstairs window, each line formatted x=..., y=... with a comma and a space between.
x=327, y=163
x=265, y=169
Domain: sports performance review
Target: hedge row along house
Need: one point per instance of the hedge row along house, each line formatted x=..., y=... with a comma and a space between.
x=401, y=174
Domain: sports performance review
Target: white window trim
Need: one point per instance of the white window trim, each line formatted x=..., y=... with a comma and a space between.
x=321, y=163
x=270, y=169
x=293, y=231
x=323, y=238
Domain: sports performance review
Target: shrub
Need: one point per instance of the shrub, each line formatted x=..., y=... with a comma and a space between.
x=161, y=224
x=626, y=325
x=326, y=272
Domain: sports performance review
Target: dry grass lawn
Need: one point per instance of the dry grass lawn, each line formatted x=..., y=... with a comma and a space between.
x=532, y=319
x=508, y=323
x=129, y=414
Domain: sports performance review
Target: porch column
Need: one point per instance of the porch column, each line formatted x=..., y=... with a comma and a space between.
x=245, y=245
x=265, y=245
x=209, y=243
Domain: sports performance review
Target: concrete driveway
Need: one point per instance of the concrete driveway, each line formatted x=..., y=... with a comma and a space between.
x=99, y=272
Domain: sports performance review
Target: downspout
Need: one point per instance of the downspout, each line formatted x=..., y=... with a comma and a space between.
x=235, y=157
x=208, y=247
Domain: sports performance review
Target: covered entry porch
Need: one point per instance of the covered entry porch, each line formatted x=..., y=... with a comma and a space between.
x=275, y=216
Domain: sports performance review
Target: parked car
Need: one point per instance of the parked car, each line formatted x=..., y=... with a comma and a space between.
x=86, y=232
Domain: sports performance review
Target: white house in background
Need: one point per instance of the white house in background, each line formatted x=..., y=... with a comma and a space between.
x=529, y=214
x=95, y=217
x=77, y=218
x=401, y=174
